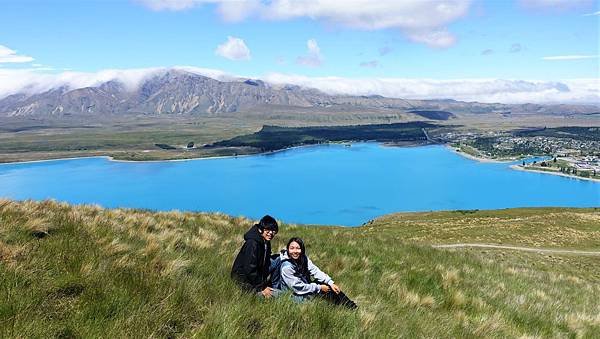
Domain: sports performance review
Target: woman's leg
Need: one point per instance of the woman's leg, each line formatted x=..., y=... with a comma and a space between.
x=339, y=299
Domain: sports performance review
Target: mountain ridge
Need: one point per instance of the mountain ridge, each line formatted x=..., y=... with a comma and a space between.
x=181, y=92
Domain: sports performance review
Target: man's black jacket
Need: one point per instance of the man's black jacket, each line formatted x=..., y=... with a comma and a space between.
x=251, y=266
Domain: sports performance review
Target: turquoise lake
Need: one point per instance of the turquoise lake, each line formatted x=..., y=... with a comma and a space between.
x=324, y=184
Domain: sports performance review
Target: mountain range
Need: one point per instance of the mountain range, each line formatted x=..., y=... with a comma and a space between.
x=181, y=92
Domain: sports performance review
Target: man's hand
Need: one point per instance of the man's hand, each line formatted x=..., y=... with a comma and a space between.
x=325, y=288
x=335, y=288
x=267, y=292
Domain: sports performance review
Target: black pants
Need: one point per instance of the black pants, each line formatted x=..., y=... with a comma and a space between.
x=339, y=299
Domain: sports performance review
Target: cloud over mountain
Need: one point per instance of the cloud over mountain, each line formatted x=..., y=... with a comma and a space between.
x=31, y=81
x=233, y=49
x=481, y=90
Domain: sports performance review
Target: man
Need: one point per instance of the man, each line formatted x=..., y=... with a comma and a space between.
x=251, y=266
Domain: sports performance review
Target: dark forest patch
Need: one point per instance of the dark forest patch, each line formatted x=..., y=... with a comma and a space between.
x=271, y=138
x=434, y=115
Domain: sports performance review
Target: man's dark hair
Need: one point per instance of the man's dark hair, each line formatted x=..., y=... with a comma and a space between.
x=268, y=223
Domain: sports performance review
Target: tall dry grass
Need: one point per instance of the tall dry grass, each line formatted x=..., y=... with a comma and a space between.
x=86, y=271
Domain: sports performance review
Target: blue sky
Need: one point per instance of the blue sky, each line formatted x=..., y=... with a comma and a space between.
x=474, y=41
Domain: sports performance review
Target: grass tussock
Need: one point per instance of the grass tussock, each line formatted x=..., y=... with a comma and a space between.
x=86, y=271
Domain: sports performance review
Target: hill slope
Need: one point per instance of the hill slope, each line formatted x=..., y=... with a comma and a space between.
x=84, y=271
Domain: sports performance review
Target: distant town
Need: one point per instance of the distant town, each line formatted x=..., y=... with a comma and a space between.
x=571, y=151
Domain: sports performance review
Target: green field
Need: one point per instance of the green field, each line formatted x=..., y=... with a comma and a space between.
x=85, y=271
x=153, y=140
x=122, y=139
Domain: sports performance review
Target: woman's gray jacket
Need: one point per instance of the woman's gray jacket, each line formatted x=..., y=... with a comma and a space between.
x=297, y=282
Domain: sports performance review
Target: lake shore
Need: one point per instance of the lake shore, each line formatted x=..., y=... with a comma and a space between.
x=384, y=144
x=202, y=157
x=112, y=158
x=116, y=158
x=156, y=156
x=521, y=168
x=479, y=159
x=312, y=173
x=206, y=156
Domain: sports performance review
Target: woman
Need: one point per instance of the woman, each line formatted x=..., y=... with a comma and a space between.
x=296, y=270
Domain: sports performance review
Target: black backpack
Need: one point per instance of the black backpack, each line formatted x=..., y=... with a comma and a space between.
x=275, y=271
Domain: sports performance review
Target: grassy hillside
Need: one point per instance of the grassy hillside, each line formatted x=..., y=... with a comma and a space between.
x=85, y=271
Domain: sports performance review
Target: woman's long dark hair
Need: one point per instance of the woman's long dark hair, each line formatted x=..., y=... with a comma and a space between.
x=302, y=262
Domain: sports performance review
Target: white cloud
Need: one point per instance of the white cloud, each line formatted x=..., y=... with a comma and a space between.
x=36, y=80
x=233, y=49
x=554, y=5
x=569, y=57
x=483, y=90
x=438, y=38
x=7, y=55
x=421, y=21
x=238, y=10
x=313, y=58
x=172, y=5
x=592, y=14
x=366, y=14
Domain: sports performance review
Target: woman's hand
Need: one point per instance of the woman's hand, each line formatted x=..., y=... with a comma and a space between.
x=267, y=292
x=335, y=288
x=325, y=288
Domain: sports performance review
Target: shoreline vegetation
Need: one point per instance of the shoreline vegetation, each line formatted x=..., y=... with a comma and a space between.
x=518, y=167
x=267, y=139
x=535, y=170
x=86, y=271
x=469, y=154
x=271, y=139
x=478, y=158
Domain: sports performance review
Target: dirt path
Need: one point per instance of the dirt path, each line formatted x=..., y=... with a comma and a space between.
x=518, y=248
